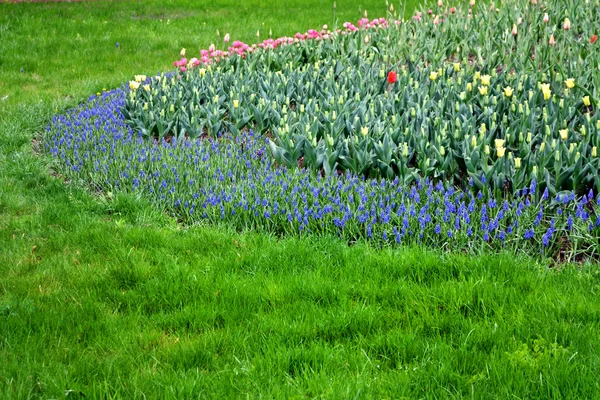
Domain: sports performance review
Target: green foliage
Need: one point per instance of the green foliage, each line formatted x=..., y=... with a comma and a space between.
x=106, y=297
x=461, y=107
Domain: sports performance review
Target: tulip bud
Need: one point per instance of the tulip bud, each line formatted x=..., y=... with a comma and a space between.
x=564, y=134
x=594, y=151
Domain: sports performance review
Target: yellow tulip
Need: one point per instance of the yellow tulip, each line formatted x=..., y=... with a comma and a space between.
x=586, y=101
x=433, y=75
x=594, y=151
x=570, y=83
x=133, y=85
x=564, y=134
x=485, y=80
x=546, y=90
x=483, y=90
x=456, y=67
x=364, y=130
x=500, y=152
x=498, y=143
x=236, y=103
x=508, y=91
x=517, y=162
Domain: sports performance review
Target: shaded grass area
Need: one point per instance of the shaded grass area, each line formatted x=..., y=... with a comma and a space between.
x=108, y=298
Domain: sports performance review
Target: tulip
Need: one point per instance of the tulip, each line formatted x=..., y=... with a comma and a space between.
x=508, y=91
x=594, y=151
x=485, y=80
x=552, y=42
x=433, y=75
x=392, y=77
x=570, y=83
x=586, y=101
x=226, y=38
x=567, y=24
x=546, y=18
x=483, y=90
x=236, y=103
x=500, y=152
x=517, y=162
x=133, y=85
x=514, y=30
x=364, y=131
x=593, y=39
x=499, y=143
x=564, y=134
x=182, y=52
x=546, y=91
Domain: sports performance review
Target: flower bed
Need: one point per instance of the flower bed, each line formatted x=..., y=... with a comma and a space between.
x=466, y=127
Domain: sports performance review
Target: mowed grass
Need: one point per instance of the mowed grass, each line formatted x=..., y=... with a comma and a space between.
x=107, y=297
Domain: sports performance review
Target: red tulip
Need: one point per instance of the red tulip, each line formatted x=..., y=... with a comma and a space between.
x=392, y=77
x=593, y=39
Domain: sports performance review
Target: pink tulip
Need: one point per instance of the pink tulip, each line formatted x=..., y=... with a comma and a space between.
x=226, y=38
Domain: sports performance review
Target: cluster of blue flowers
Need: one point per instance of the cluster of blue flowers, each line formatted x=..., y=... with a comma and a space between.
x=235, y=180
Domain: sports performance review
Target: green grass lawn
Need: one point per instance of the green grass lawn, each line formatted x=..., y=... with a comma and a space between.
x=108, y=298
